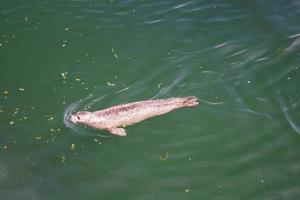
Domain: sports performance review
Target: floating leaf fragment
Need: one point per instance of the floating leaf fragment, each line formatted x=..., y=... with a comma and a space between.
x=63, y=159
x=64, y=75
x=115, y=54
x=16, y=111
x=52, y=130
x=72, y=146
x=50, y=118
x=110, y=84
x=165, y=156
x=98, y=141
x=38, y=137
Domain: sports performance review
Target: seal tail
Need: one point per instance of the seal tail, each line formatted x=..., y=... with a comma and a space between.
x=190, y=101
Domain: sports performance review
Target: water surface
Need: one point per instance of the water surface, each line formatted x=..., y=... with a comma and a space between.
x=241, y=59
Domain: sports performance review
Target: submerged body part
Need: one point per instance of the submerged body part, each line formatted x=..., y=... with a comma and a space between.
x=115, y=118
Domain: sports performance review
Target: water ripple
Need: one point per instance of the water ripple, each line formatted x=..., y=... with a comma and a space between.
x=288, y=115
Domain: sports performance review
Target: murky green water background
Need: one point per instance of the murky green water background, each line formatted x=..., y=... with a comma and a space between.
x=241, y=59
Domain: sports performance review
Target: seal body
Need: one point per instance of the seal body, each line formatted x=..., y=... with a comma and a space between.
x=115, y=118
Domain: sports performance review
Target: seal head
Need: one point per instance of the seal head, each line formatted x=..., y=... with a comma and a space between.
x=81, y=117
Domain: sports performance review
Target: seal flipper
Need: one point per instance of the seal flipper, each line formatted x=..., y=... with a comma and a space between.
x=190, y=101
x=117, y=131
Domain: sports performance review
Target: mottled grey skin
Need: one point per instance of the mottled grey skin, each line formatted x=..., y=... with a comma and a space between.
x=115, y=118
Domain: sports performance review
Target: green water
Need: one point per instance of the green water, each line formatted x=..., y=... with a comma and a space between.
x=241, y=59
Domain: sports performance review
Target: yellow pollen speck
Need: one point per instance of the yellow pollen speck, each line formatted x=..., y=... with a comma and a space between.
x=52, y=130
x=63, y=158
x=38, y=137
x=64, y=75
x=110, y=84
x=98, y=141
x=165, y=156
x=72, y=146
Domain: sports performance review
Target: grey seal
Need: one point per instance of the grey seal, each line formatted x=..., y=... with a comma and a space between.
x=116, y=118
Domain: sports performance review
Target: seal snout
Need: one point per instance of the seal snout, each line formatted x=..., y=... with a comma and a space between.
x=74, y=118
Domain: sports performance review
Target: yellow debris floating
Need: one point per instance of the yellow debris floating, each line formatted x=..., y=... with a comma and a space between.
x=38, y=137
x=165, y=156
x=64, y=75
x=72, y=146
x=110, y=84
